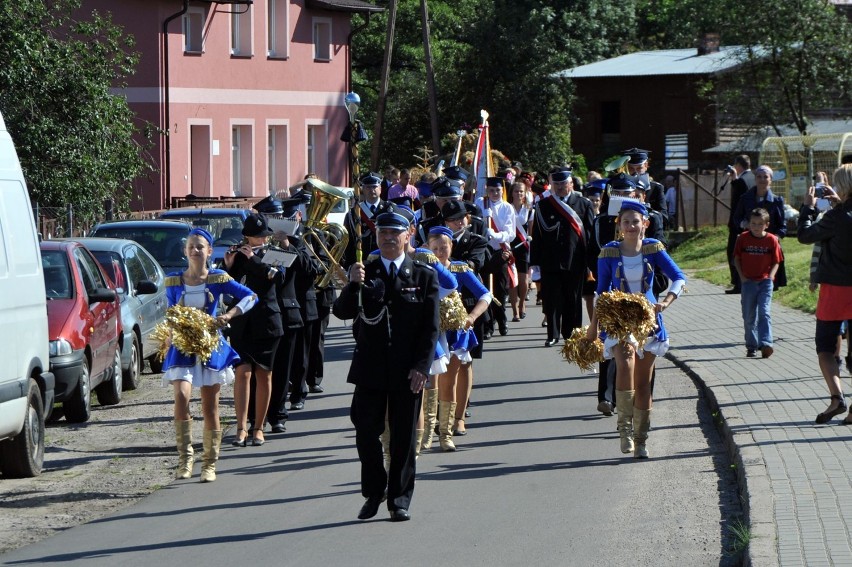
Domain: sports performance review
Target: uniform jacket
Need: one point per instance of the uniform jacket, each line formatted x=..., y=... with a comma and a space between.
x=368, y=234
x=398, y=331
x=471, y=248
x=306, y=268
x=555, y=245
x=264, y=320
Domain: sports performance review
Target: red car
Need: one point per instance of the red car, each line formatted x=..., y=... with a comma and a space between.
x=84, y=326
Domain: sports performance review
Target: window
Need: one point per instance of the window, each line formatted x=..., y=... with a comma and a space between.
x=277, y=178
x=317, y=150
x=241, y=30
x=193, y=30
x=322, y=39
x=277, y=28
x=241, y=160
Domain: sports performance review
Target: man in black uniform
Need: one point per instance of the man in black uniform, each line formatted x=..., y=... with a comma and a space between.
x=395, y=338
x=560, y=249
x=366, y=212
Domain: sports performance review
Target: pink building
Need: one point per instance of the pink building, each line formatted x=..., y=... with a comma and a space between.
x=251, y=93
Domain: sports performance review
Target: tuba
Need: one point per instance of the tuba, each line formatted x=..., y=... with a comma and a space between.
x=330, y=238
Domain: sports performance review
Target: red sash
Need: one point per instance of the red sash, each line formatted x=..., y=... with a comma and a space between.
x=523, y=238
x=570, y=215
x=512, y=270
x=367, y=220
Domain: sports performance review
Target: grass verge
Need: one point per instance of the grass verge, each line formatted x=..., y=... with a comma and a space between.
x=704, y=256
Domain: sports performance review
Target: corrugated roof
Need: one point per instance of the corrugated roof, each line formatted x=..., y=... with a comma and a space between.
x=664, y=62
x=754, y=142
x=345, y=5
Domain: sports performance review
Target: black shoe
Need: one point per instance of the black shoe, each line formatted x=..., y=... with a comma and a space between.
x=733, y=291
x=487, y=335
x=550, y=342
x=750, y=353
x=370, y=507
x=826, y=416
x=504, y=331
x=317, y=389
x=278, y=428
x=400, y=515
x=297, y=406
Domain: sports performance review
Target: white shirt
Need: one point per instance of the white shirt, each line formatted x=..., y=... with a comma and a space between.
x=397, y=263
x=504, y=219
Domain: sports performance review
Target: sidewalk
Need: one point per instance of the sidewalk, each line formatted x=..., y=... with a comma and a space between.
x=791, y=471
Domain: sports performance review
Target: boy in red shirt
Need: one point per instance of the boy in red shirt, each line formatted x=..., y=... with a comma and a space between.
x=757, y=255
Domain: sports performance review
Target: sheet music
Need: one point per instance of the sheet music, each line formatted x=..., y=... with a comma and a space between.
x=279, y=258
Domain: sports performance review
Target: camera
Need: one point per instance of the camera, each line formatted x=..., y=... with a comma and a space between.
x=729, y=169
x=819, y=190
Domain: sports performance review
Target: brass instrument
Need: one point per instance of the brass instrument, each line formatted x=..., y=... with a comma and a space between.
x=323, y=198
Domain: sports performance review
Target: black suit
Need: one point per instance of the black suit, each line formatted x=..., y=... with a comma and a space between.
x=564, y=258
x=738, y=188
x=368, y=233
x=388, y=345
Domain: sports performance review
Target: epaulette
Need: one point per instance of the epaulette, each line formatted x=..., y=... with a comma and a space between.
x=459, y=268
x=218, y=278
x=426, y=257
x=173, y=281
x=653, y=247
x=372, y=258
x=610, y=252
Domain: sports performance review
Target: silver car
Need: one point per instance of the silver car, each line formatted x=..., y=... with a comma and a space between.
x=142, y=296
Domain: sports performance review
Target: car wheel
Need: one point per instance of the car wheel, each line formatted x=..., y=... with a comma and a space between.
x=134, y=369
x=23, y=455
x=109, y=392
x=155, y=363
x=78, y=408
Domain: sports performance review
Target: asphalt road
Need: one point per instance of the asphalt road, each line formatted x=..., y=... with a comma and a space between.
x=539, y=479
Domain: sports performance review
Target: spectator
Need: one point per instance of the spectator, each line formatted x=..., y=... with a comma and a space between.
x=671, y=201
x=834, y=276
x=742, y=180
x=403, y=189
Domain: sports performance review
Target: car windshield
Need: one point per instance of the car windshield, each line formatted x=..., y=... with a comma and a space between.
x=225, y=229
x=57, y=274
x=165, y=244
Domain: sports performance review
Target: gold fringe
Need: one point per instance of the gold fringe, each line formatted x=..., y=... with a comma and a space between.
x=192, y=331
x=426, y=257
x=173, y=281
x=581, y=351
x=459, y=268
x=623, y=314
x=218, y=278
x=653, y=248
x=610, y=252
x=452, y=311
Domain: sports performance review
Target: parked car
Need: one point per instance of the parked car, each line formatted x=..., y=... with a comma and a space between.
x=338, y=212
x=26, y=383
x=84, y=328
x=224, y=224
x=140, y=283
x=164, y=239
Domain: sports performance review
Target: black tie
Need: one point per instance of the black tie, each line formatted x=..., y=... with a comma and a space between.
x=391, y=271
x=372, y=209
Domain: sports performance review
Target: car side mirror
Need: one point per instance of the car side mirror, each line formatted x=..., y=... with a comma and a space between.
x=145, y=287
x=102, y=295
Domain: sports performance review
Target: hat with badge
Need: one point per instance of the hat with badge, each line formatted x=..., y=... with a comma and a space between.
x=454, y=210
x=456, y=172
x=401, y=209
x=621, y=182
x=256, y=225
x=269, y=206
x=393, y=220
x=289, y=207
x=370, y=179
x=637, y=156
x=446, y=188
x=560, y=174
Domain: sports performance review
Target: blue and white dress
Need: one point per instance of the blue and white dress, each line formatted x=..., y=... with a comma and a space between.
x=635, y=274
x=219, y=368
x=461, y=342
x=446, y=285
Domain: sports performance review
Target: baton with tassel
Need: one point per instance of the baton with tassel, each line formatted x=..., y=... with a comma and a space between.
x=352, y=101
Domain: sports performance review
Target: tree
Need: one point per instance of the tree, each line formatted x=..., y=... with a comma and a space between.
x=77, y=142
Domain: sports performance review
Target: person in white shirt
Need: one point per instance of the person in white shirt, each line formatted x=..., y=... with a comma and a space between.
x=500, y=219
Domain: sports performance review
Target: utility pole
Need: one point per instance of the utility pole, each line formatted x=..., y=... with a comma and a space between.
x=383, y=88
x=430, y=79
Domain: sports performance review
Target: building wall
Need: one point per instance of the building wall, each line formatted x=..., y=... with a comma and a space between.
x=212, y=92
x=640, y=112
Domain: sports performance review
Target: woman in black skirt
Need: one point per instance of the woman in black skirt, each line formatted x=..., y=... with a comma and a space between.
x=522, y=202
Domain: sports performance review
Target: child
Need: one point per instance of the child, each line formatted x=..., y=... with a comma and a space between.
x=757, y=256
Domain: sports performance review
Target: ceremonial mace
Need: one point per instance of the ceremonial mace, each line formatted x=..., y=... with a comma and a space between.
x=352, y=101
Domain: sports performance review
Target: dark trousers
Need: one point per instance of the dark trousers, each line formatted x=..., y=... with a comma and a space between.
x=562, y=302
x=368, y=415
x=281, y=377
x=606, y=381
x=732, y=240
x=316, y=352
x=496, y=271
x=299, y=368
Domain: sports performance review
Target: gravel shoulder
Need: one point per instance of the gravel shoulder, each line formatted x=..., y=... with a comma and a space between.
x=122, y=454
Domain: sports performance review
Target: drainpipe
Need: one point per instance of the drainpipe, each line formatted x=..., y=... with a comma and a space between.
x=166, y=100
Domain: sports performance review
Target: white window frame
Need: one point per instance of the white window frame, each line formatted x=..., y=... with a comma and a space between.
x=278, y=29
x=276, y=179
x=316, y=149
x=321, y=31
x=199, y=15
x=242, y=157
x=242, y=26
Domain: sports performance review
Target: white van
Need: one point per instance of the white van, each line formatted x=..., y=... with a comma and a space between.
x=26, y=385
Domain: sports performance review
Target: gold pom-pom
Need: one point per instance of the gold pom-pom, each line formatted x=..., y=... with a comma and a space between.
x=453, y=313
x=192, y=331
x=581, y=351
x=623, y=314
